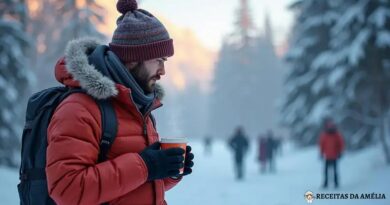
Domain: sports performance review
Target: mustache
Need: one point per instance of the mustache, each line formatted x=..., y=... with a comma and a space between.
x=156, y=77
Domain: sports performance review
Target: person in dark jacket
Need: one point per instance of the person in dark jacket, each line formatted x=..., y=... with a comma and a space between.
x=262, y=152
x=208, y=141
x=239, y=145
x=331, y=146
x=271, y=147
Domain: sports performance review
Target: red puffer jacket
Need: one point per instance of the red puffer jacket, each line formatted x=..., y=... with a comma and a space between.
x=331, y=145
x=73, y=174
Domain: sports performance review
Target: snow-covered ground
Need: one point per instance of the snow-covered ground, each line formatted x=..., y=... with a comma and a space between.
x=298, y=171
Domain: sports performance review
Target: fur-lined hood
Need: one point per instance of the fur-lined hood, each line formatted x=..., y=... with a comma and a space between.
x=74, y=70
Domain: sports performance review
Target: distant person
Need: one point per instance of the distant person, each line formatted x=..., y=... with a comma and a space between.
x=262, y=152
x=331, y=145
x=278, y=145
x=207, y=145
x=239, y=144
x=271, y=148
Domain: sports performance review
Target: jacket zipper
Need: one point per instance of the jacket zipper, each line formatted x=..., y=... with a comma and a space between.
x=145, y=131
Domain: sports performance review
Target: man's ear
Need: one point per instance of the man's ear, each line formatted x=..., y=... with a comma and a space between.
x=131, y=65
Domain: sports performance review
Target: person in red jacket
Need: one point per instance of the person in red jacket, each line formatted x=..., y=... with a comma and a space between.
x=331, y=145
x=137, y=171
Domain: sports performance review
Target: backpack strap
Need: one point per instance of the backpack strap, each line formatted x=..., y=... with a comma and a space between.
x=109, y=127
x=109, y=124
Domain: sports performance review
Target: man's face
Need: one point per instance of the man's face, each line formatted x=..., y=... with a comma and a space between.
x=147, y=73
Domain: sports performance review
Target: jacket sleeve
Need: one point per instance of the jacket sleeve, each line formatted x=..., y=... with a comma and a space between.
x=73, y=174
x=169, y=183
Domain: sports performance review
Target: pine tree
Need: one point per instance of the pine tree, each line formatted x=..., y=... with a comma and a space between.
x=246, y=71
x=308, y=99
x=15, y=77
x=359, y=50
x=54, y=24
x=340, y=71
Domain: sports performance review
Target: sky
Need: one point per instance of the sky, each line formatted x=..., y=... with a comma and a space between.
x=211, y=20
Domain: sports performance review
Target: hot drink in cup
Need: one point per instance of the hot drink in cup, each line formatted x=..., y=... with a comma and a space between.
x=167, y=143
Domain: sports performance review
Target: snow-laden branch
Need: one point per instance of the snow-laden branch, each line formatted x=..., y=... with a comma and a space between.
x=375, y=121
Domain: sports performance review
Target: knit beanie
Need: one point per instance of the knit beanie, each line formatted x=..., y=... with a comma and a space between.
x=139, y=35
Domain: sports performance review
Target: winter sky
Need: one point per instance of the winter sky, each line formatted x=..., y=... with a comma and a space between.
x=211, y=20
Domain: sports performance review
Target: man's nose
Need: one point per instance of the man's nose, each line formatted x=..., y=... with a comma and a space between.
x=161, y=70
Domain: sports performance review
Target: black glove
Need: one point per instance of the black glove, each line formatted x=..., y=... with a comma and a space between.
x=188, y=161
x=162, y=163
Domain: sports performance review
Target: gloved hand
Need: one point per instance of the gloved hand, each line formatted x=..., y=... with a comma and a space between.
x=162, y=163
x=188, y=161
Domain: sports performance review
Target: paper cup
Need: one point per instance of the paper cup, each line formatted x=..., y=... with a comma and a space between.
x=167, y=143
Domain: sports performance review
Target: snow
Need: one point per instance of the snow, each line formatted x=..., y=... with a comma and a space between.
x=354, y=12
x=325, y=59
x=304, y=79
x=320, y=110
x=291, y=109
x=318, y=20
x=298, y=171
x=7, y=116
x=357, y=47
x=352, y=84
x=11, y=94
x=383, y=39
x=378, y=17
x=300, y=46
x=336, y=75
x=318, y=85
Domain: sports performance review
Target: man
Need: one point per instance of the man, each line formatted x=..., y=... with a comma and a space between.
x=207, y=144
x=262, y=152
x=137, y=171
x=239, y=144
x=271, y=147
x=331, y=145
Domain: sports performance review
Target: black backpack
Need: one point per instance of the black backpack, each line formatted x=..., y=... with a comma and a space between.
x=40, y=108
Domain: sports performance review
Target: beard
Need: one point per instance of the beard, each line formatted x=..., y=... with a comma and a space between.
x=144, y=80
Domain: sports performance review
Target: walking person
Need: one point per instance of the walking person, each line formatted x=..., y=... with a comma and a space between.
x=239, y=144
x=208, y=141
x=270, y=149
x=262, y=152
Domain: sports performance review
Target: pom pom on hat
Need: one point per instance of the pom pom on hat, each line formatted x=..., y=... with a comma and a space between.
x=123, y=6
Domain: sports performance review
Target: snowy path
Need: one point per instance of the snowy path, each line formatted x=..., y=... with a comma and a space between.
x=297, y=172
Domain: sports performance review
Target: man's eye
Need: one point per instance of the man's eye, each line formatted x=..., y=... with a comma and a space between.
x=161, y=60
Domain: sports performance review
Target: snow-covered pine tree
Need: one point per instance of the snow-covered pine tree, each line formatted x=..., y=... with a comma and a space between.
x=231, y=90
x=54, y=24
x=246, y=80
x=15, y=78
x=360, y=77
x=307, y=99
